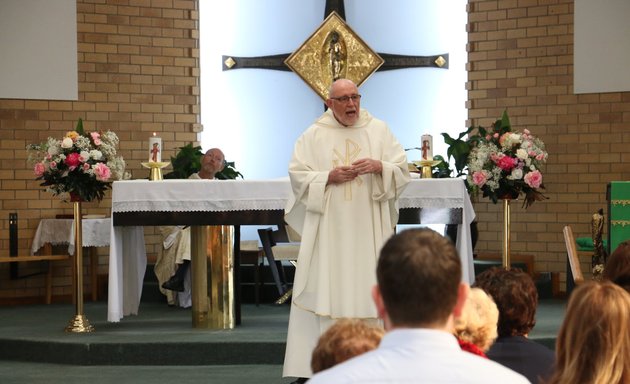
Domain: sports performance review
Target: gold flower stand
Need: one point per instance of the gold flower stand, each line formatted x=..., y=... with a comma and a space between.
x=79, y=323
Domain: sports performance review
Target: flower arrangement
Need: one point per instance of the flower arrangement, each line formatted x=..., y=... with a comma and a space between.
x=506, y=164
x=80, y=166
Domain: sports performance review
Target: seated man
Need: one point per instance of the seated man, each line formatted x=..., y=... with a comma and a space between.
x=173, y=264
x=418, y=294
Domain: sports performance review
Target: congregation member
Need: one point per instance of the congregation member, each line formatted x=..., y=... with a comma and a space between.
x=419, y=293
x=173, y=264
x=593, y=345
x=516, y=297
x=344, y=340
x=476, y=327
x=347, y=172
x=617, y=268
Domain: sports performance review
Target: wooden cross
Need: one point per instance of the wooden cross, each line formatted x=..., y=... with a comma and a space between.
x=392, y=61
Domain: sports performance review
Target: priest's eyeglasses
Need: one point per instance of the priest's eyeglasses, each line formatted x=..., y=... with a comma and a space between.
x=344, y=99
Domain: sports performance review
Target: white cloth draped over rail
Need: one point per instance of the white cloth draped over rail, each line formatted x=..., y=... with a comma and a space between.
x=127, y=250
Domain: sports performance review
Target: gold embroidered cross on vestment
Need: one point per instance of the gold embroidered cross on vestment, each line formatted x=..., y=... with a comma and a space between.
x=352, y=152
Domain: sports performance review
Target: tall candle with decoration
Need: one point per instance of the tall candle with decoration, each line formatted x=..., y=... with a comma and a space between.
x=155, y=148
x=427, y=147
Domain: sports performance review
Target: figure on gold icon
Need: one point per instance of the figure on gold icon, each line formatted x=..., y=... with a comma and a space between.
x=337, y=56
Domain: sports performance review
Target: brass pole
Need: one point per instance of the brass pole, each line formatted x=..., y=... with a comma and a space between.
x=212, y=249
x=79, y=323
x=506, y=233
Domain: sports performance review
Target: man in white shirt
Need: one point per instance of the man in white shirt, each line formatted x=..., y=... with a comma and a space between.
x=418, y=294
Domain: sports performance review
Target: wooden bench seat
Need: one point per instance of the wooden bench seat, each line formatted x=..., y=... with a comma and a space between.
x=48, y=258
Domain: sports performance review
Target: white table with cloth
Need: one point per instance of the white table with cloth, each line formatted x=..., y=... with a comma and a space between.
x=95, y=232
x=127, y=262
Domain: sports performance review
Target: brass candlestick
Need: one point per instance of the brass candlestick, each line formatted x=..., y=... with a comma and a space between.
x=426, y=165
x=156, y=169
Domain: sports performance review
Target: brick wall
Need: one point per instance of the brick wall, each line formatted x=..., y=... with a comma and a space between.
x=138, y=73
x=520, y=58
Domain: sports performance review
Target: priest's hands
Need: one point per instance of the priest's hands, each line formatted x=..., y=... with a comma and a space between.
x=341, y=174
x=347, y=173
x=363, y=166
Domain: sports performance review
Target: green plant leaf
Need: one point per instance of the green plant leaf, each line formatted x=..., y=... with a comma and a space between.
x=79, y=129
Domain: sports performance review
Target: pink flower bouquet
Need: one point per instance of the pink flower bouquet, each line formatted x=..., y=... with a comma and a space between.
x=80, y=166
x=506, y=164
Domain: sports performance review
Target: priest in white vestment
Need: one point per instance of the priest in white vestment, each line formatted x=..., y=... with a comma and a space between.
x=347, y=172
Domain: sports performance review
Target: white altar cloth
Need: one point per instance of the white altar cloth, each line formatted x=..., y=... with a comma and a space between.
x=127, y=260
x=94, y=233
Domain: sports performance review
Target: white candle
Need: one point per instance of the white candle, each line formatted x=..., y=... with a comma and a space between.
x=155, y=149
x=427, y=147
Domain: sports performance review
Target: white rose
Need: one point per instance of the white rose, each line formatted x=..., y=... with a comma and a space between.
x=517, y=174
x=53, y=150
x=66, y=142
x=84, y=156
x=521, y=153
x=96, y=154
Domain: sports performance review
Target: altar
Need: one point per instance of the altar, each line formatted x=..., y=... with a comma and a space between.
x=137, y=203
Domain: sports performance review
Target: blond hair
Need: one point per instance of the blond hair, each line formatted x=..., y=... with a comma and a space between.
x=593, y=345
x=478, y=322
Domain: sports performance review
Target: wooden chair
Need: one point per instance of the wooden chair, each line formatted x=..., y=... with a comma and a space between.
x=278, y=245
x=572, y=258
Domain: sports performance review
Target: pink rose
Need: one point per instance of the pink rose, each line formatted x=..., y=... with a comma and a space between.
x=479, y=178
x=39, y=169
x=53, y=165
x=86, y=167
x=73, y=159
x=102, y=172
x=533, y=179
x=506, y=163
x=96, y=138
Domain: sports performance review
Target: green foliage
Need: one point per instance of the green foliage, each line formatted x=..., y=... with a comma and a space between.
x=229, y=172
x=442, y=170
x=188, y=161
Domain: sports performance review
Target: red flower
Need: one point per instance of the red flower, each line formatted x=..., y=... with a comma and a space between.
x=506, y=163
x=72, y=160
